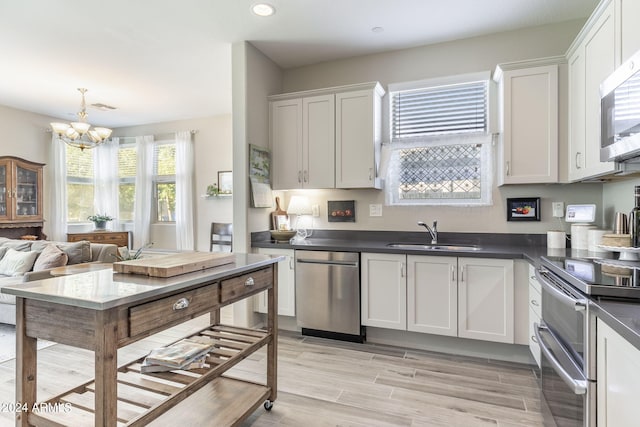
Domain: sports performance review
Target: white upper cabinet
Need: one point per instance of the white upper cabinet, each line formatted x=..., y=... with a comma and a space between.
x=592, y=58
x=358, y=138
x=629, y=28
x=326, y=138
x=303, y=142
x=528, y=121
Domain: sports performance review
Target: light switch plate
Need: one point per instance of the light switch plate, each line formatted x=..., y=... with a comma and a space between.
x=558, y=209
x=315, y=210
x=375, y=210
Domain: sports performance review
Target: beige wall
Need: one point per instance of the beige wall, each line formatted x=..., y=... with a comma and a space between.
x=457, y=57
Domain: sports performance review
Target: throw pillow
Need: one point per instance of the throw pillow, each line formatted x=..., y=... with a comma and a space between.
x=50, y=257
x=77, y=252
x=2, y=252
x=16, y=263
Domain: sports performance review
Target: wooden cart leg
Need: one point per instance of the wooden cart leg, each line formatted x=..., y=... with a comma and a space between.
x=272, y=327
x=106, y=368
x=26, y=367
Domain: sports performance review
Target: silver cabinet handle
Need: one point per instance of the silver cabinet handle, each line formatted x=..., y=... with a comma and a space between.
x=508, y=168
x=370, y=174
x=249, y=281
x=402, y=272
x=577, y=304
x=578, y=154
x=534, y=339
x=291, y=264
x=181, y=304
x=578, y=385
x=462, y=273
x=453, y=273
x=305, y=176
x=300, y=176
x=534, y=302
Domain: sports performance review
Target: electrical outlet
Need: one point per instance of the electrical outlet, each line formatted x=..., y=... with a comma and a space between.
x=375, y=210
x=315, y=210
x=558, y=209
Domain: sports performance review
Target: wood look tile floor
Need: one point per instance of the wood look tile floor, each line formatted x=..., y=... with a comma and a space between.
x=331, y=383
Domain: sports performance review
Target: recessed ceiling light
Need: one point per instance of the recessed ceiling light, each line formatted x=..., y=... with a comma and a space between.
x=377, y=29
x=263, y=9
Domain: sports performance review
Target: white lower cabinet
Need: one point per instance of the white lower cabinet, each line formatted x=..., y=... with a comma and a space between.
x=535, y=313
x=432, y=295
x=286, y=284
x=485, y=299
x=383, y=290
x=618, y=378
x=464, y=297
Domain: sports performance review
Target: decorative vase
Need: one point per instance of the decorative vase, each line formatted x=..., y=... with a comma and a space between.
x=100, y=225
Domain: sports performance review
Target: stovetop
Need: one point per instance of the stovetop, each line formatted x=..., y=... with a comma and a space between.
x=598, y=277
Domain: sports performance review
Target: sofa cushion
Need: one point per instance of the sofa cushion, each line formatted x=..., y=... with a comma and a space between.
x=77, y=252
x=50, y=257
x=18, y=245
x=3, y=250
x=15, y=263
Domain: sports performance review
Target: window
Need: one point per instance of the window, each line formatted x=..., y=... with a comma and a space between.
x=164, y=181
x=440, y=147
x=80, y=186
x=127, y=164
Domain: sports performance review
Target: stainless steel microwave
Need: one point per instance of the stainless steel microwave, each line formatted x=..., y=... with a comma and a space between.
x=620, y=113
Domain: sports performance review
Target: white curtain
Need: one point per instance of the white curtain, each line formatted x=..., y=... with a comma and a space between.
x=184, y=191
x=57, y=222
x=144, y=196
x=105, y=176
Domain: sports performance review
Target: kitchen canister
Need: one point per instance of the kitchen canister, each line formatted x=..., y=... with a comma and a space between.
x=594, y=238
x=556, y=239
x=579, y=236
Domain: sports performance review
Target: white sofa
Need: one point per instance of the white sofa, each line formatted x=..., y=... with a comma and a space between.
x=76, y=253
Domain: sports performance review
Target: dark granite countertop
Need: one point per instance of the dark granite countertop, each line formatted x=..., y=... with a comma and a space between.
x=622, y=316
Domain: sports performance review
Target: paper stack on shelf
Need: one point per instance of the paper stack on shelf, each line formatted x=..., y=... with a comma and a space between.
x=188, y=353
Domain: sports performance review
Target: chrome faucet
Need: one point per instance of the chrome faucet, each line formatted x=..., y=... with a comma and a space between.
x=433, y=230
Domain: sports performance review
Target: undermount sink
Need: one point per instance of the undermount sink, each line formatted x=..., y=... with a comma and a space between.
x=434, y=247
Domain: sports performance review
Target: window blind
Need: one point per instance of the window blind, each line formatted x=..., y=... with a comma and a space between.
x=458, y=108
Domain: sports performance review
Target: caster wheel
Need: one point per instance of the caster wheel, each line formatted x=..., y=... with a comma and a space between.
x=268, y=405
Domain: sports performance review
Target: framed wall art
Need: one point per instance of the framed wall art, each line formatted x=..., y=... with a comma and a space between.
x=341, y=211
x=225, y=182
x=523, y=209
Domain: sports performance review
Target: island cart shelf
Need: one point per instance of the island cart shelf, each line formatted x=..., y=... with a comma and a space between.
x=123, y=396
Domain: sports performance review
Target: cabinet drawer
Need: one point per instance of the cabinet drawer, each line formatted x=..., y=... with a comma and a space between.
x=532, y=278
x=246, y=284
x=534, y=346
x=153, y=315
x=535, y=300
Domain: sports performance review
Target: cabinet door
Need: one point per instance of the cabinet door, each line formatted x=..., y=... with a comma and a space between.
x=383, y=290
x=286, y=143
x=618, y=378
x=28, y=200
x=286, y=284
x=357, y=139
x=318, y=124
x=530, y=120
x=485, y=299
x=5, y=189
x=432, y=294
x=629, y=28
x=576, y=115
x=600, y=62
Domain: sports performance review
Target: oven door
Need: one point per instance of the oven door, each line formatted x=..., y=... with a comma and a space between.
x=567, y=341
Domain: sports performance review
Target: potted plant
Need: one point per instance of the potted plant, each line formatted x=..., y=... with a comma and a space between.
x=100, y=220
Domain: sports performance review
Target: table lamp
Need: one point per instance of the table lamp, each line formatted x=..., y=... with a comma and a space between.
x=299, y=205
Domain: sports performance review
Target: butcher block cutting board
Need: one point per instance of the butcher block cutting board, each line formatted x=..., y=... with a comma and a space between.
x=174, y=264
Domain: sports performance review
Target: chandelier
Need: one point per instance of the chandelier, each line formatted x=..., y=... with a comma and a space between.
x=79, y=134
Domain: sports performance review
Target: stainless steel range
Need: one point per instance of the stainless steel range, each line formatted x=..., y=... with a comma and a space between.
x=567, y=333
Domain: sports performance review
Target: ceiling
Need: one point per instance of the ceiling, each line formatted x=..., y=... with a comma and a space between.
x=162, y=60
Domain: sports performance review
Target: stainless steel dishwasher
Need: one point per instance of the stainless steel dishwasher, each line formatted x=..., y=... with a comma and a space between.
x=328, y=294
